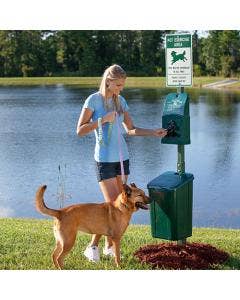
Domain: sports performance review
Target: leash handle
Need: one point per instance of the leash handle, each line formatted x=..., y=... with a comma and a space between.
x=120, y=149
x=100, y=132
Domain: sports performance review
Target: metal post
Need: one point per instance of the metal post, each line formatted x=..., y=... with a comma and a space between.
x=180, y=89
x=181, y=166
x=181, y=161
x=182, y=242
x=181, y=153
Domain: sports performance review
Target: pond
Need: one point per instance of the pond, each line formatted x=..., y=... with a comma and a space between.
x=38, y=134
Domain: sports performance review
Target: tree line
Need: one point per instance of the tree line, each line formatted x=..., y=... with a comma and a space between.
x=27, y=53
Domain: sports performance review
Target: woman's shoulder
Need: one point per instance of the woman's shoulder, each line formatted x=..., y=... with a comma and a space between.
x=94, y=95
x=92, y=100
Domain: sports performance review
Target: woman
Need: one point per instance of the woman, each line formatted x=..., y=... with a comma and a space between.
x=104, y=112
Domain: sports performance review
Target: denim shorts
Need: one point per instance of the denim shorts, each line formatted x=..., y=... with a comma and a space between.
x=107, y=170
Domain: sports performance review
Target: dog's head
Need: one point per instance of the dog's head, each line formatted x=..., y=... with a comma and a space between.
x=173, y=53
x=134, y=198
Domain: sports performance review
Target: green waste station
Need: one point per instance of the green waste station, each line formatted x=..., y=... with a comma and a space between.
x=171, y=193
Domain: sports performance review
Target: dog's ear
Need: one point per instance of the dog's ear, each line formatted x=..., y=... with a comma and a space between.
x=127, y=190
x=133, y=185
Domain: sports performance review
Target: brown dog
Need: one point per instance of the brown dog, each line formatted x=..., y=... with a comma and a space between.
x=109, y=219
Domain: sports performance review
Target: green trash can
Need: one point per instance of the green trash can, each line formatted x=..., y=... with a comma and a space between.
x=171, y=205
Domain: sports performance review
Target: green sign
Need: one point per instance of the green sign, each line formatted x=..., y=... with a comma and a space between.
x=178, y=60
x=179, y=41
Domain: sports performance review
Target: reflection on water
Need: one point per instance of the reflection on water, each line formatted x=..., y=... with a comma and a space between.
x=38, y=133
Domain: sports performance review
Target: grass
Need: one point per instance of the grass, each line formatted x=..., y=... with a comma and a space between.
x=26, y=244
x=132, y=82
x=85, y=81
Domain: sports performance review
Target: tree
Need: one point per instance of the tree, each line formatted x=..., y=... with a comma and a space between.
x=221, y=52
x=211, y=54
x=21, y=53
x=8, y=50
x=89, y=52
x=151, y=54
x=230, y=51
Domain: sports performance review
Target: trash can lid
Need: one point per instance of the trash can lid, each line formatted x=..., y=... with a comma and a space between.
x=169, y=181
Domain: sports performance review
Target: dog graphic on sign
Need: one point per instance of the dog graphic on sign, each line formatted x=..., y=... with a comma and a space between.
x=176, y=57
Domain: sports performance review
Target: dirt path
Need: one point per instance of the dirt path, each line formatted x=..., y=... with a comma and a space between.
x=220, y=84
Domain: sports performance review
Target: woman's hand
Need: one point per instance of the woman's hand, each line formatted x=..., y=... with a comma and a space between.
x=160, y=132
x=109, y=117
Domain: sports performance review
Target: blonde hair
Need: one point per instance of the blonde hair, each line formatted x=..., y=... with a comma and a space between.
x=113, y=72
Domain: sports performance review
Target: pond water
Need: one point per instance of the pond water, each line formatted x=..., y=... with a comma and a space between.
x=38, y=134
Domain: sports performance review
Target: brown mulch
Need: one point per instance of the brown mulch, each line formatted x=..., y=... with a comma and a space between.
x=194, y=256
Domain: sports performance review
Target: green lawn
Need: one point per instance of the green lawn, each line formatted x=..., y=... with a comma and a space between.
x=137, y=82
x=27, y=244
x=85, y=81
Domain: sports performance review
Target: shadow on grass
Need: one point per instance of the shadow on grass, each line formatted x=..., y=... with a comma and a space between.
x=233, y=263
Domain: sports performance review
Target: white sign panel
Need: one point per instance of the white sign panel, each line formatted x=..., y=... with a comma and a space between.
x=178, y=60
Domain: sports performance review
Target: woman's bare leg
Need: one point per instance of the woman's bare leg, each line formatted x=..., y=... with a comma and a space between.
x=120, y=183
x=110, y=190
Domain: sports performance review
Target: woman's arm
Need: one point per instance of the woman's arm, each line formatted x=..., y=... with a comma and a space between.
x=136, y=131
x=84, y=125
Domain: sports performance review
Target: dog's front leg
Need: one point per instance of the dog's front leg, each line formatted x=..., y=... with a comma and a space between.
x=116, y=245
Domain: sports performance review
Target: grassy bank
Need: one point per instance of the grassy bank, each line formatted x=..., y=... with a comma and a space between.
x=133, y=82
x=27, y=244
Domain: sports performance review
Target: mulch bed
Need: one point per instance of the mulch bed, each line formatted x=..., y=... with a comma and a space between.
x=194, y=256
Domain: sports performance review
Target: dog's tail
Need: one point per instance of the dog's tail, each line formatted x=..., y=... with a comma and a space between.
x=40, y=205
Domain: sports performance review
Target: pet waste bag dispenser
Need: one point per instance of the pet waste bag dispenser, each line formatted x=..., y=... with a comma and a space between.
x=171, y=192
x=176, y=119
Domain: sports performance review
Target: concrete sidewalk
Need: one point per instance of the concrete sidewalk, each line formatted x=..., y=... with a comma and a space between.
x=221, y=83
